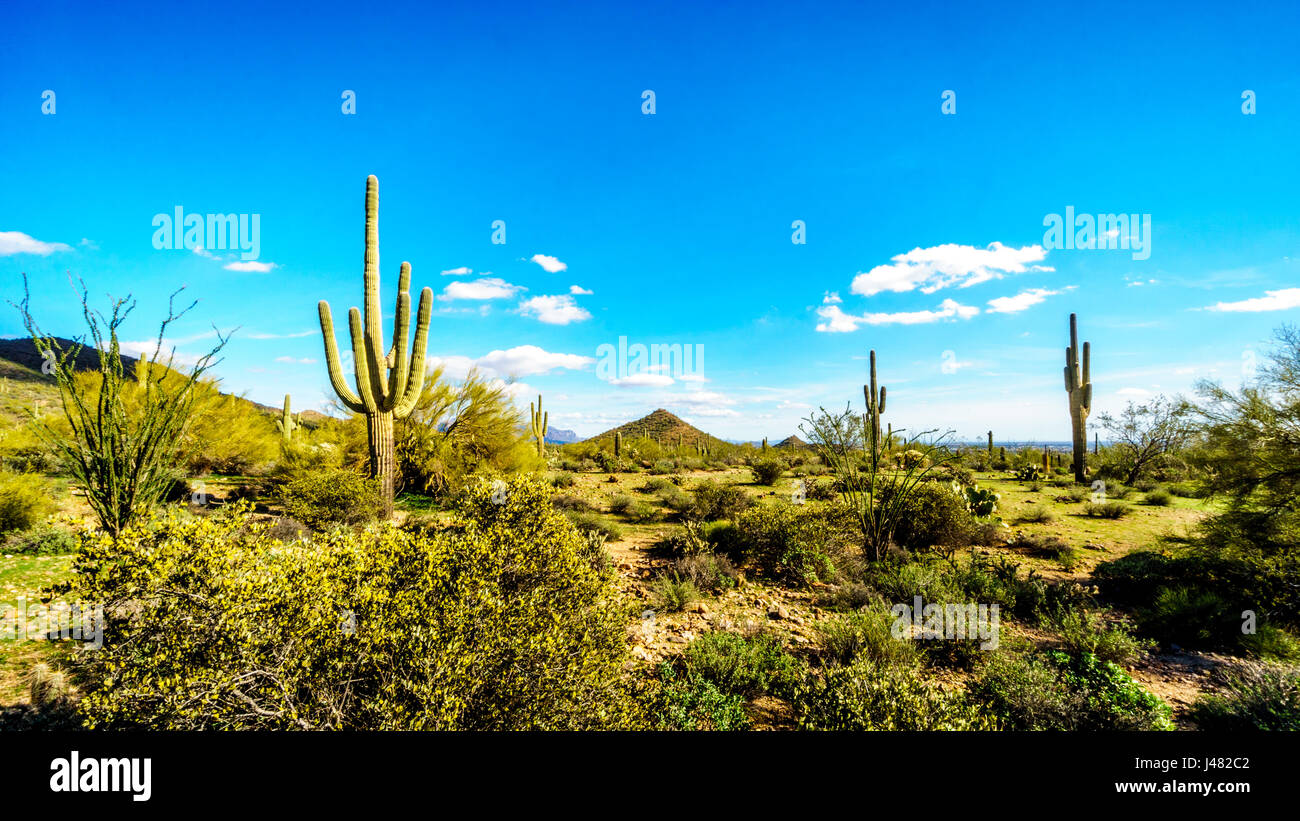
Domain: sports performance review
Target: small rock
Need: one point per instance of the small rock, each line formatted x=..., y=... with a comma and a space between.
x=776, y=611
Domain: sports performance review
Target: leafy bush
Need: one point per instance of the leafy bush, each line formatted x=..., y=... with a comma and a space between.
x=1159, y=497
x=695, y=703
x=1252, y=696
x=867, y=695
x=866, y=633
x=707, y=572
x=767, y=471
x=747, y=666
x=1191, y=617
x=594, y=523
x=663, y=466
x=505, y=619
x=43, y=539
x=329, y=497
x=24, y=502
x=933, y=515
x=784, y=540
x=1058, y=691
x=1105, y=510
x=568, y=501
x=714, y=500
x=1038, y=514
x=563, y=480
x=621, y=503
x=672, y=593
x=1084, y=631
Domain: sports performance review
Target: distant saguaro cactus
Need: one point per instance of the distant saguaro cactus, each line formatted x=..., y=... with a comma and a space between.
x=618, y=443
x=388, y=384
x=1078, y=385
x=765, y=444
x=875, y=397
x=1096, y=445
x=287, y=423
x=1047, y=468
x=990, y=443
x=538, y=422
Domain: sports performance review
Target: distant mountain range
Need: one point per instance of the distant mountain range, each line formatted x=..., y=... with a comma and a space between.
x=560, y=436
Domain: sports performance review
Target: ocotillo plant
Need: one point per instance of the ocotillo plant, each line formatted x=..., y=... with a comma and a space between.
x=1078, y=385
x=287, y=423
x=388, y=384
x=537, y=421
x=875, y=397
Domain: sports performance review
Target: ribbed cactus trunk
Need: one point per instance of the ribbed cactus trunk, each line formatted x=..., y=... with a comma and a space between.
x=379, y=429
x=990, y=443
x=1078, y=386
x=539, y=420
x=875, y=399
x=388, y=381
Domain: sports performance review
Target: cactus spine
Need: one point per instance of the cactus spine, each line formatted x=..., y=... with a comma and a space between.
x=875, y=397
x=538, y=422
x=388, y=383
x=287, y=423
x=1078, y=386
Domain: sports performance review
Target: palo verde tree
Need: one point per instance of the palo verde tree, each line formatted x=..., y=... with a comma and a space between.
x=125, y=436
x=388, y=380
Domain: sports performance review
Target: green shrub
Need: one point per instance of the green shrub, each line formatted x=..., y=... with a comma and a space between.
x=663, y=466
x=24, y=501
x=1190, y=617
x=1158, y=498
x=1271, y=643
x=747, y=666
x=506, y=618
x=672, y=593
x=767, y=471
x=1084, y=631
x=1058, y=691
x=333, y=496
x=866, y=633
x=1252, y=696
x=567, y=501
x=714, y=500
x=43, y=539
x=1105, y=510
x=563, y=480
x=784, y=540
x=695, y=703
x=867, y=695
x=933, y=515
x=594, y=523
x=707, y=571
x=621, y=504
x=1038, y=514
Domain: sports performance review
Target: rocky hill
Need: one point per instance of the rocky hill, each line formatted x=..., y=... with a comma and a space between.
x=664, y=427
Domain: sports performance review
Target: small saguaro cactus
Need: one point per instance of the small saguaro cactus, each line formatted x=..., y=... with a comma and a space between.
x=1096, y=444
x=990, y=443
x=538, y=421
x=618, y=443
x=765, y=444
x=388, y=383
x=287, y=423
x=1002, y=453
x=875, y=397
x=1078, y=385
x=1047, y=468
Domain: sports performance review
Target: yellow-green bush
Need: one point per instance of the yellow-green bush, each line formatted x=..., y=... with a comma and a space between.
x=325, y=497
x=506, y=618
x=24, y=501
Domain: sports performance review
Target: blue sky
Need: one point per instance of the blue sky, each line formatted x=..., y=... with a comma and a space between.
x=928, y=228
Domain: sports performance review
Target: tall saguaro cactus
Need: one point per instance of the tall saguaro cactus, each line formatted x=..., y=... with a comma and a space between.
x=618, y=444
x=990, y=444
x=388, y=383
x=1078, y=385
x=538, y=421
x=287, y=423
x=875, y=397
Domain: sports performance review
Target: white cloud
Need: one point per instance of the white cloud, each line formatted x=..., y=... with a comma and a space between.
x=290, y=360
x=949, y=265
x=489, y=288
x=251, y=266
x=786, y=404
x=831, y=298
x=297, y=335
x=89, y=243
x=693, y=377
x=1282, y=300
x=840, y=322
x=1019, y=302
x=458, y=272
x=526, y=360
x=550, y=265
x=554, y=310
x=578, y=290
x=642, y=380
x=16, y=242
